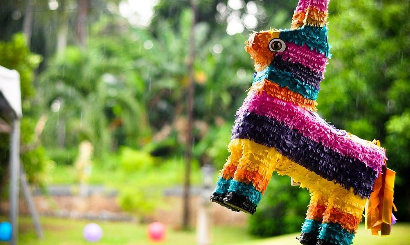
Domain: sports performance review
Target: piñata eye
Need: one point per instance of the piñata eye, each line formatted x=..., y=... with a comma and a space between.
x=277, y=45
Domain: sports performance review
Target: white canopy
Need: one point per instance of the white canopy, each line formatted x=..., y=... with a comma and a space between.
x=10, y=107
x=10, y=89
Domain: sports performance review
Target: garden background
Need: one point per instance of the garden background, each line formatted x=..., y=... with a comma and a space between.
x=116, y=74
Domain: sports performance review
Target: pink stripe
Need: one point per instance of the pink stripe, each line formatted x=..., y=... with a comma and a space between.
x=302, y=6
x=313, y=128
x=320, y=4
x=303, y=55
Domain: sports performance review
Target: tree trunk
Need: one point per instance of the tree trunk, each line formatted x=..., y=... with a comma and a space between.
x=81, y=25
x=28, y=20
x=62, y=29
x=190, y=109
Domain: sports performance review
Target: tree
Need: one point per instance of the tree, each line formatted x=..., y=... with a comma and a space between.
x=366, y=89
x=94, y=96
x=16, y=55
x=252, y=15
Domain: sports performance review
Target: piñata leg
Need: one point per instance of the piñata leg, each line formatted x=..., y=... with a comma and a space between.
x=226, y=177
x=251, y=177
x=340, y=222
x=314, y=218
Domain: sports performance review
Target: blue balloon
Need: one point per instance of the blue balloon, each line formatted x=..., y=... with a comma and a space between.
x=5, y=231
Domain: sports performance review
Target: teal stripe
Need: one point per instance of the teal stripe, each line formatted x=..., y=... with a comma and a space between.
x=246, y=190
x=313, y=37
x=222, y=185
x=335, y=234
x=286, y=79
x=311, y=226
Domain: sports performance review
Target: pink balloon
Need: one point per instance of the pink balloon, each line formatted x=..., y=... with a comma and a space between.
x=156, y=232
x=92, y=232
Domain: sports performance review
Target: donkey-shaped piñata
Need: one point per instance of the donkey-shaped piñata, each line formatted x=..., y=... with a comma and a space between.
x=277, y=129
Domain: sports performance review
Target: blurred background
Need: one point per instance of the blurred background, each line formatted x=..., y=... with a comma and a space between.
x=128, y=107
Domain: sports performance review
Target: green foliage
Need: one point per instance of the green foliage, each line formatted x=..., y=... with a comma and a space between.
x=398, y=138
x=16, y=55
x=216, y=13
x=366, y=90
x=139, y=201
x=141, y=180
x=63, y=156
x=213, y=147
x=282, y=209
x=37, y=165
x=133, y=160
x=97, y=99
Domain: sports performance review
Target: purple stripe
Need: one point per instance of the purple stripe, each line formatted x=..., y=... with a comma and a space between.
x=314, y=128
x=299, y=71
x=330, y=165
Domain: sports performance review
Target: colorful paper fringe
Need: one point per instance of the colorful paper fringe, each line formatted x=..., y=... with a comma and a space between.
x=378, y=213
x=277, y=129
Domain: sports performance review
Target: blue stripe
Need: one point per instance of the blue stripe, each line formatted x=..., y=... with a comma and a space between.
x=286, y=79
x=335, y=234
x=313, y=37
x=247, y=190
x=311, y=226
x=222, y=185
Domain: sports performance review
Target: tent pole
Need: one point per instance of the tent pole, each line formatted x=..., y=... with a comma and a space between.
x=29, y=200
x=14, y=174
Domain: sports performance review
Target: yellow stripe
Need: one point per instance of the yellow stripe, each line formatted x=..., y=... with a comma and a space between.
x=259, y=157
x=248, y=160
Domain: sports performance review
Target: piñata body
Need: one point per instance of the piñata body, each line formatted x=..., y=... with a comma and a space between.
x=277, y=129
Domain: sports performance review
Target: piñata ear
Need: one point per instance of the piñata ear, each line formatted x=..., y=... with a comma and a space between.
x=300, y=14
x=310, y=12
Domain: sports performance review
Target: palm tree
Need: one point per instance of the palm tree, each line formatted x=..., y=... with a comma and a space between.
x=222, y=71
x=92, y=98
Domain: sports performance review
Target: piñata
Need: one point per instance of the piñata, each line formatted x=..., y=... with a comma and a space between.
x=277, y=129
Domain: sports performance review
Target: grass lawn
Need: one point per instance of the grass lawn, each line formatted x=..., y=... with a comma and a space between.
x=400, y=236
x=59, y=231
x=170, y=170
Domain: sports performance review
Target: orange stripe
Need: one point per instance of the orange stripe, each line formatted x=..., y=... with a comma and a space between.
x=231, y=164
x=274, y=90
x=316, y=212
x=348, y=221
x=314, y=17
x=298, y=19
x=259, y=181
x=228, y=171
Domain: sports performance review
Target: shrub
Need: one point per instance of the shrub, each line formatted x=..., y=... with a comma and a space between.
x=139, y=200
x=215, y=145
x=63, y=156
x=282, y=209
x=133, y=160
